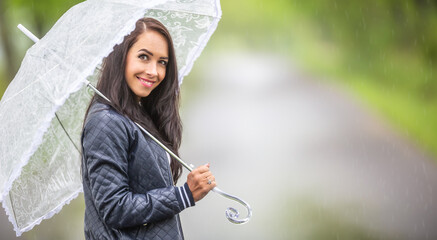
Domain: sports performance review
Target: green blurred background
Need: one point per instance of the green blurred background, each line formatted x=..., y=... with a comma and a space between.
x=382, y=51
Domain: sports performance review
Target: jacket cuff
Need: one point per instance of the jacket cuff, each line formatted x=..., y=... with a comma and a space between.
x=184, y=196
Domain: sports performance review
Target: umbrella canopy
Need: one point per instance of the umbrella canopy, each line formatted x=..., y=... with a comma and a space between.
x=42, y=111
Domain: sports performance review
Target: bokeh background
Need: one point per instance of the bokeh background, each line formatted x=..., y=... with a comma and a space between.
x=321, y=114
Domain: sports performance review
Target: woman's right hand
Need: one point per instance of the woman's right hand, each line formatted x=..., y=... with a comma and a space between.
x=200, y=181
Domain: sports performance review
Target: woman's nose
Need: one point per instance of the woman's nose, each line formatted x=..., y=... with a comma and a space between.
x=151, y=69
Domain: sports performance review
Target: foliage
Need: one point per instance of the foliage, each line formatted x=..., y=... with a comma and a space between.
x=382, y=38
x=41, y=13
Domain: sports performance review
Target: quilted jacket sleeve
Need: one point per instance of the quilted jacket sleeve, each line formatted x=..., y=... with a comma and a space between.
x=105, y=150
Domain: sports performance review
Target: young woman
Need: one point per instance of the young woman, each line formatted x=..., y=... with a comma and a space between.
x=129, y=180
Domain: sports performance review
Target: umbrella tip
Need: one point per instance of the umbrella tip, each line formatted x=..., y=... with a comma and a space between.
x=28, y=33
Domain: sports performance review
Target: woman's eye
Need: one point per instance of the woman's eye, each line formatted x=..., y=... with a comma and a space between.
x=163, y=63
x=143, y=57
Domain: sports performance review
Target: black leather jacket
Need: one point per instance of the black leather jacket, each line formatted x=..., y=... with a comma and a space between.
x=127, y=182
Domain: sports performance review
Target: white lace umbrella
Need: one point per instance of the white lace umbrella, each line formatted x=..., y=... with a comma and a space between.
x=42, y=111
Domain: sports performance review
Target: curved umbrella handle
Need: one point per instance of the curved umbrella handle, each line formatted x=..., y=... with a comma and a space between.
x=232, y=214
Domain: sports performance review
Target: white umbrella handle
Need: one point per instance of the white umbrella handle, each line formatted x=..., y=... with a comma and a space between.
x=231, y=213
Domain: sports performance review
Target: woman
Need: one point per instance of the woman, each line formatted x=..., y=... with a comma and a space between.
x=129, y=180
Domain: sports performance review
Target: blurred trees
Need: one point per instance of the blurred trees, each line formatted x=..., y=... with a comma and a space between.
x=378, y=34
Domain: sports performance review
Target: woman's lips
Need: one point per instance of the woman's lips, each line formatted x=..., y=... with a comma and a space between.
x=145, y=82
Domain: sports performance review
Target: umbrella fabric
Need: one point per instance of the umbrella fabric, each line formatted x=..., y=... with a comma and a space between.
x=42, y=111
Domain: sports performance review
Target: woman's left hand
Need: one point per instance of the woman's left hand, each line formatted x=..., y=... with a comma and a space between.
x=200, y=181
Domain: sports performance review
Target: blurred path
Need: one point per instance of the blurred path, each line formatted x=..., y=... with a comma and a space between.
x=312, y=161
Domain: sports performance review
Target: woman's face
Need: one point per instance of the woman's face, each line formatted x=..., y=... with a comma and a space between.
x=146, y=62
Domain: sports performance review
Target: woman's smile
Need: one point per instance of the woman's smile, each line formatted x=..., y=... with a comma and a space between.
x=146, y=82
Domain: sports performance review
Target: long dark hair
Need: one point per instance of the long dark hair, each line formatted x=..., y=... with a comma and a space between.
x=158, y=112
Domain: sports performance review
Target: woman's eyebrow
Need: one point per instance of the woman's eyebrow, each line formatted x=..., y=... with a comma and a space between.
x=150, y=53
x=145, y=50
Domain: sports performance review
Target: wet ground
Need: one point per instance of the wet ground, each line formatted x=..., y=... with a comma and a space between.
x=313, y=162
